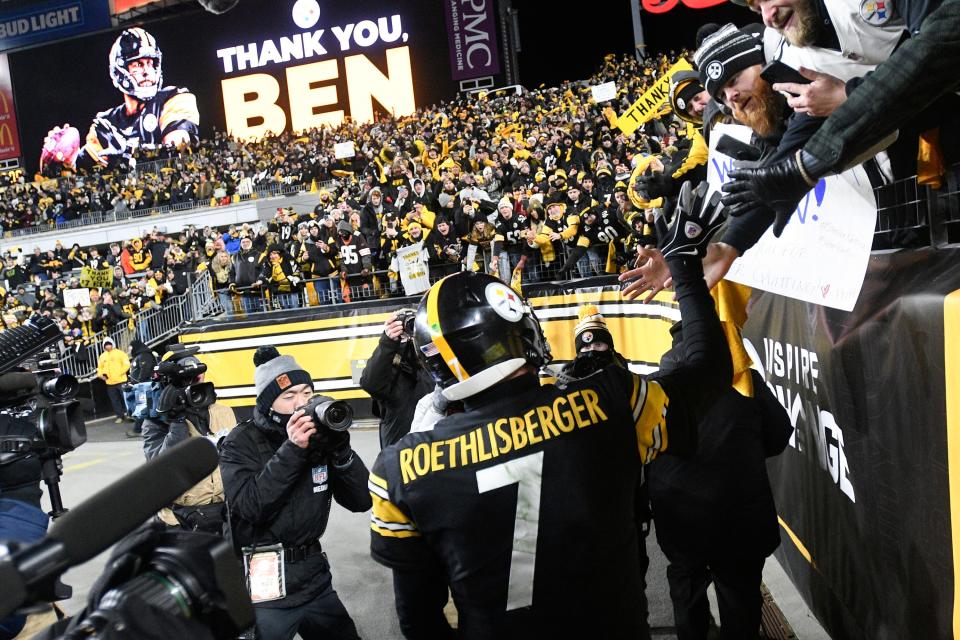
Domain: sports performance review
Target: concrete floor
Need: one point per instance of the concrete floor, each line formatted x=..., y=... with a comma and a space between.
x=364, y=586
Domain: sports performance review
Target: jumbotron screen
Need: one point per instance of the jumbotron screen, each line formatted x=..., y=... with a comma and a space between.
x=266, y=66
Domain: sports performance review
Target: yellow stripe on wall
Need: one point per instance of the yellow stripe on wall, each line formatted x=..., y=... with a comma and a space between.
x=951, y=369
x=287, y=327
x=797, y=542
x=638, y=338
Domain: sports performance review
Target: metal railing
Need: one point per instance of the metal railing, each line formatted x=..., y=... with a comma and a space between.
x=152, y=326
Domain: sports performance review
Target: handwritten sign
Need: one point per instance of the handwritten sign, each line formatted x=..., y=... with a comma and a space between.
x=822, y=255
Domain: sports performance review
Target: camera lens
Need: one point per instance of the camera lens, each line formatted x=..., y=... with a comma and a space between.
x=60, y=388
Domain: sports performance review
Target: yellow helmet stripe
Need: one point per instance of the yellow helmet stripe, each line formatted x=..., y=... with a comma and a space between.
x=436, y=333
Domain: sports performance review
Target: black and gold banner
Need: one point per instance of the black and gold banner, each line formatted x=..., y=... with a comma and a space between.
x=333, y=343
x=864, y=489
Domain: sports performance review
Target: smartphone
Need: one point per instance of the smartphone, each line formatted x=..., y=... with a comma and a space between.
x=777, y=71
x=730, y=146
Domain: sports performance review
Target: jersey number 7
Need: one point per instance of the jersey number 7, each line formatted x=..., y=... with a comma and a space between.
x=527, y=473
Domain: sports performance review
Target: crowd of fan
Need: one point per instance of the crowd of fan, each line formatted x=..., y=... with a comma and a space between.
x=538, y=182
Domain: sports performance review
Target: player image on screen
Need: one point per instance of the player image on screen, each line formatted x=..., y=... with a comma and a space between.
x=150, y=115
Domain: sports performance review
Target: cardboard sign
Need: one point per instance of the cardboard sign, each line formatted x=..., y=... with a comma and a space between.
x=822, y=255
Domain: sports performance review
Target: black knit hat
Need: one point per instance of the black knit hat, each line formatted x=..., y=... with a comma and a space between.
x=591, y=328
x=274, y=375
x=726, y=52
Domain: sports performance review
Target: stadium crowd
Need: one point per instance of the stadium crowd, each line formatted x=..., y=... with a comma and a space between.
x=537, y=180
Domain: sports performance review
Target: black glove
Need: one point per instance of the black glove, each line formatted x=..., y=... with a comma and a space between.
x=695, y=221
x=779, y=186
x=335, y=444
x=656, y=185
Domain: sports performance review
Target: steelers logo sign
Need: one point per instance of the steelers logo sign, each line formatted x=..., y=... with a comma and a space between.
x=715, y=70
x=150, y=122
x=504, y=301
x=306, y=13
x=587, y=337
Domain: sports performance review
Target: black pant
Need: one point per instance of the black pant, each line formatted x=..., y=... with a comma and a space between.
x=322, y=618
x=737, y=581
x=115, y=393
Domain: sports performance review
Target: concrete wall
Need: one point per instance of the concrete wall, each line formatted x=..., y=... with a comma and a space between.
x=100, y=234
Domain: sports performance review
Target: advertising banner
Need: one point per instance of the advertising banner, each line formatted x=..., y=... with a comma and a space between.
x=472, y=37
x=863, y=489
x=9, y=136
x=29, y=23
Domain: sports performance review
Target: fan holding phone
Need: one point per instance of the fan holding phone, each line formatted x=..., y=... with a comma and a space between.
x=816, y=94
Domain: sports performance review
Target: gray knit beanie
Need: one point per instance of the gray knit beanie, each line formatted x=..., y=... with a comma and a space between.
x=274, y=375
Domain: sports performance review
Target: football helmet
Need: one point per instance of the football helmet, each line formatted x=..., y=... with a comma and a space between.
x=472, y=331
x=135, y=44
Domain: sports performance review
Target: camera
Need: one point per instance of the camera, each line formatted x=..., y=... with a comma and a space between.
x=189, y=575
x=49, y=398
x=37, y=392
x=408, y=318
x=176, y=377
x=335, y=415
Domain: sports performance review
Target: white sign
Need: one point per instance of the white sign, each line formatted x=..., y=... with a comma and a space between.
x=822, y=255
x=414, y=274
x=74, y=297
x=344, y=150
x=604, y=92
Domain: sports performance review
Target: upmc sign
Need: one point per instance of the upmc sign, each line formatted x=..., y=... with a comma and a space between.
x=473, y=38
x=9, y=139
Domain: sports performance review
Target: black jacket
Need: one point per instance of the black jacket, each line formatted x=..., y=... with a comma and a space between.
x=396, y=382
x=718, y=502
x=278, y=492
x=245, y=268
x=144, y=360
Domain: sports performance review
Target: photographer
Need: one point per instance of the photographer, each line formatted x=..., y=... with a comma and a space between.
x=280, y=471
x=201, y=508
x=141, y=373
x=395, y=380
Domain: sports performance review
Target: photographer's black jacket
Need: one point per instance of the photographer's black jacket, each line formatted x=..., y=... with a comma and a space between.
x=394, y=379
x=279, y=492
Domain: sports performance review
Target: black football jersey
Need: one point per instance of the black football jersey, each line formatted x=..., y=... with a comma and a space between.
x=508, y=231
x=606, y=228
x=528, y=503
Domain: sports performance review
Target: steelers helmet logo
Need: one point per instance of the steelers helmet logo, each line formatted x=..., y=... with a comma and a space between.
x=715, y=70
x=504, y=301
x=586, y=337
x=306, y=13
x=150, y=122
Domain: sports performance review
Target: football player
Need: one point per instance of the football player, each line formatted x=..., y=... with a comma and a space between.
x=524, y=503
x=151, y=114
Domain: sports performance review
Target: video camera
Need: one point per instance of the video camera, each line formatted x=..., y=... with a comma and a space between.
x=156, y=579
x=176, y=375
x=40, y=394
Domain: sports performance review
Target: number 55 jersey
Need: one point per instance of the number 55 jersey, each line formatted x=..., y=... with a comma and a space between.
x=526, y=501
